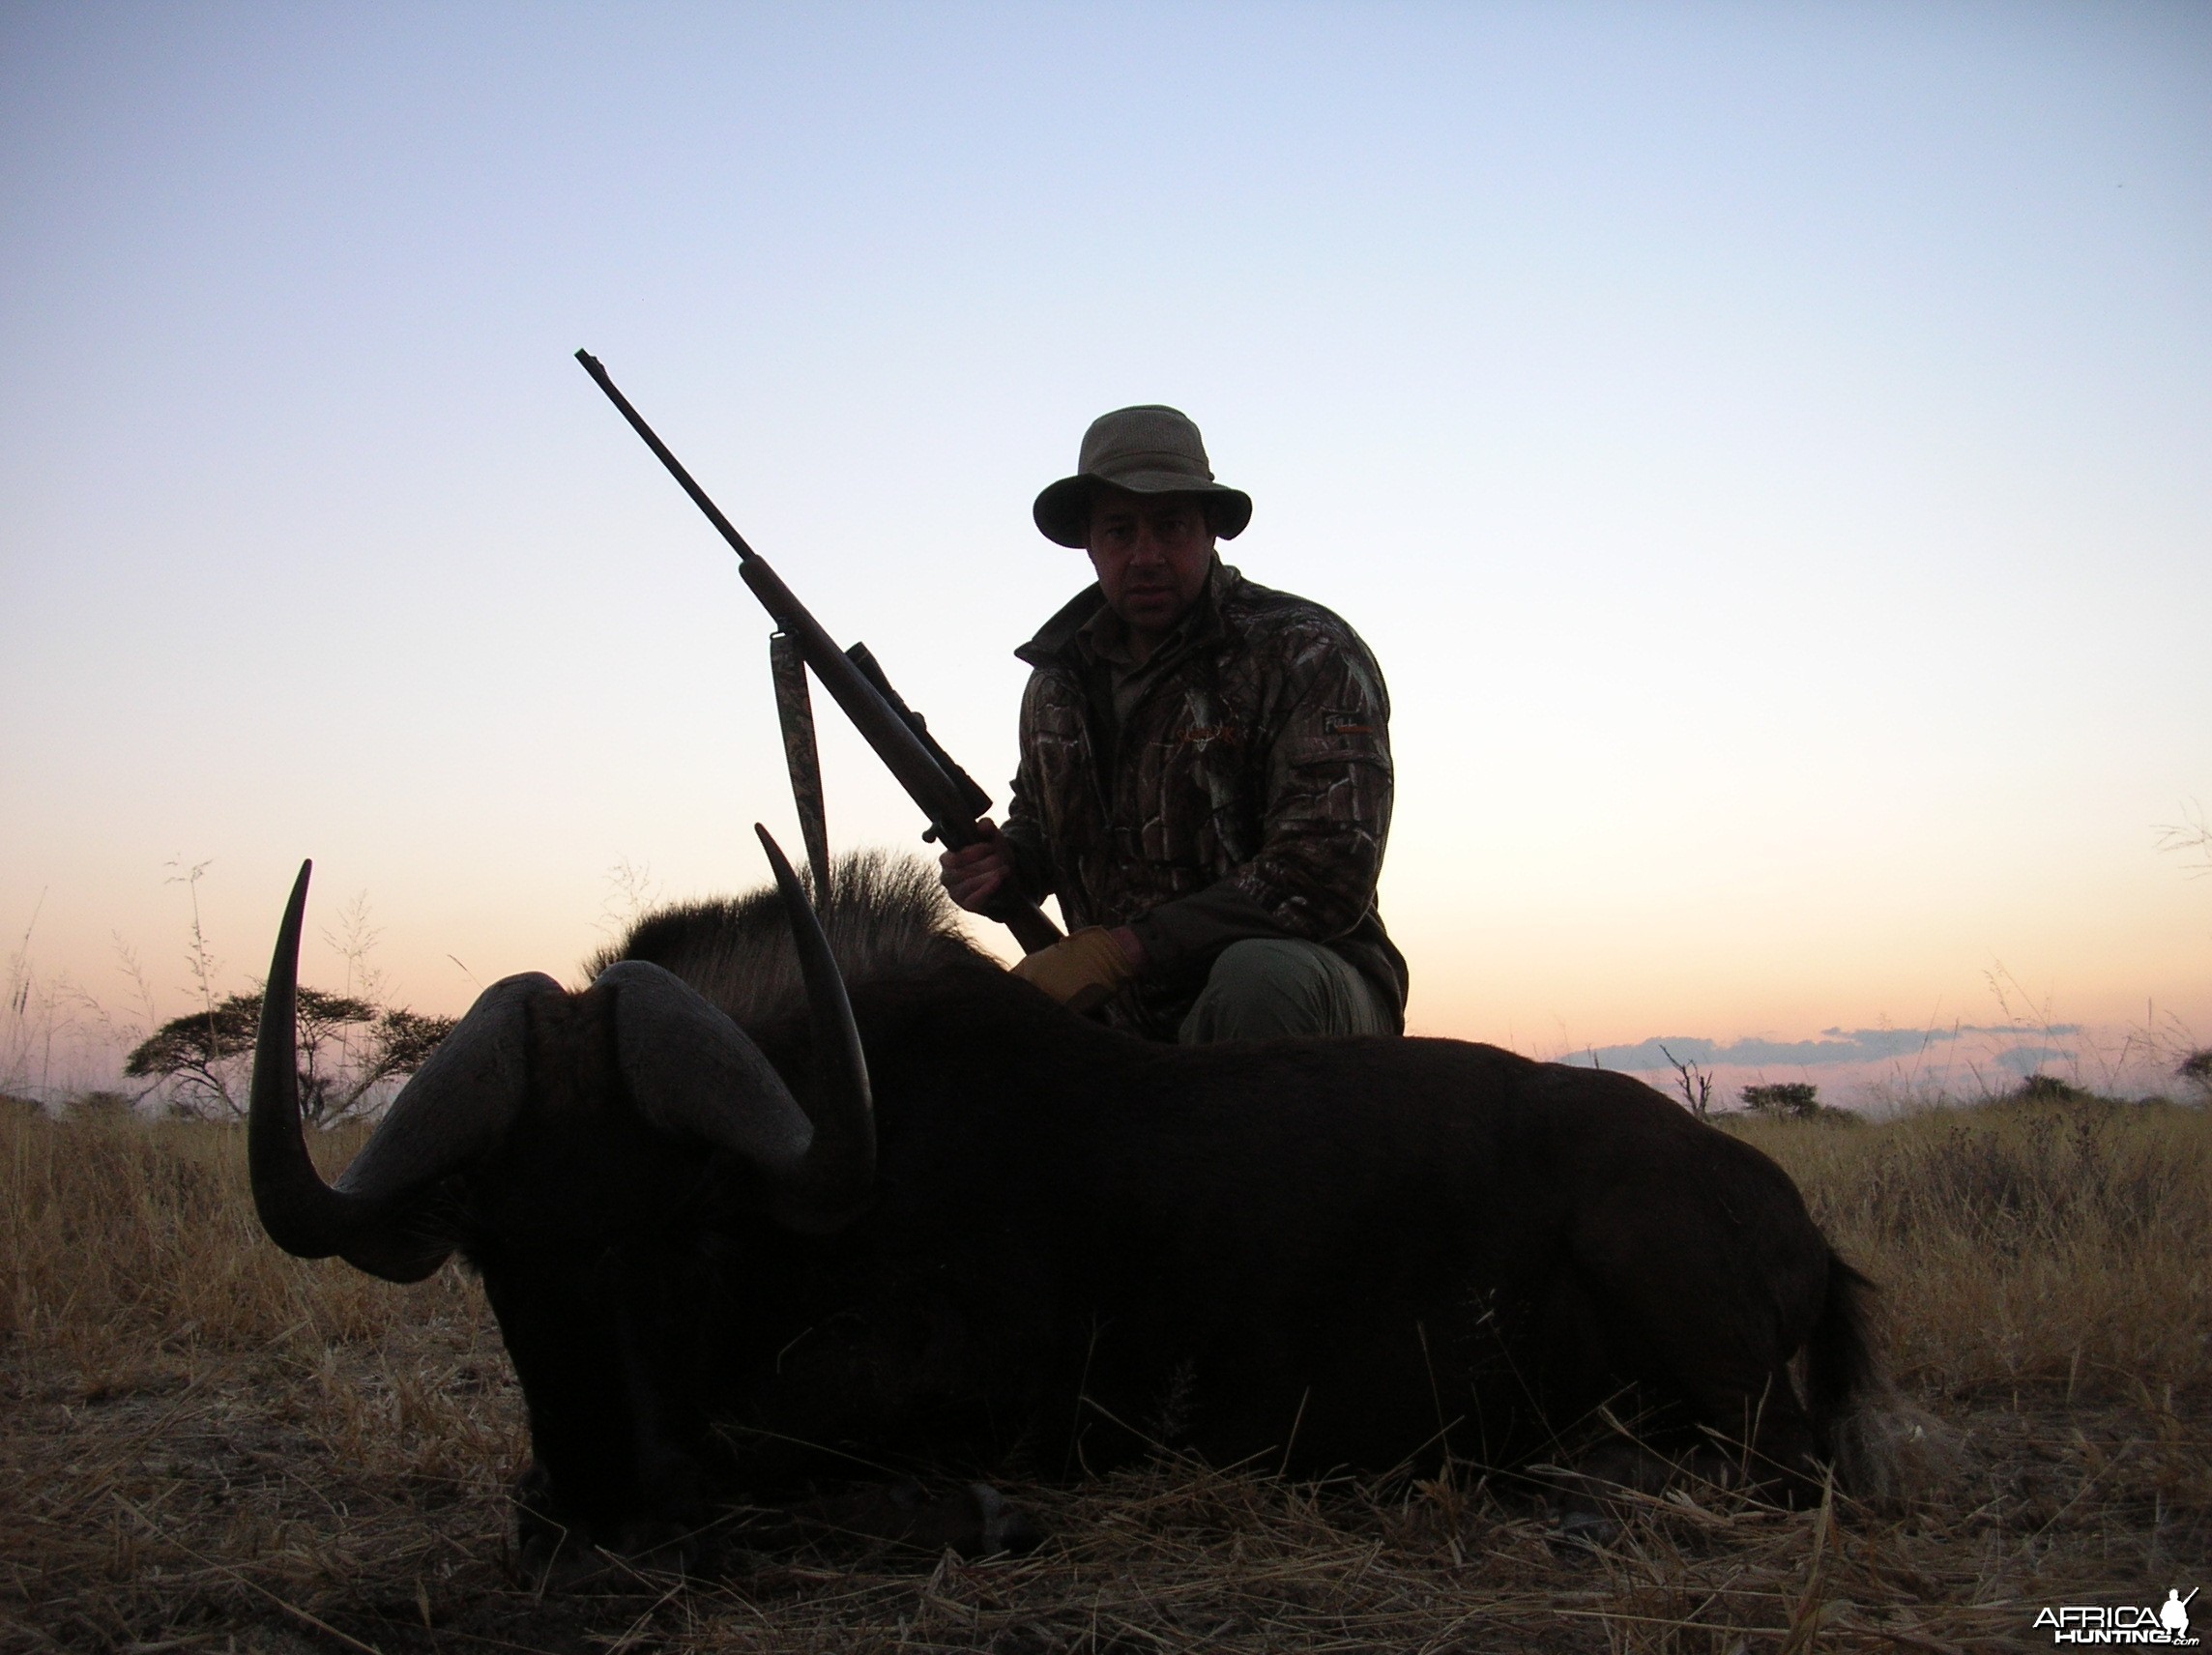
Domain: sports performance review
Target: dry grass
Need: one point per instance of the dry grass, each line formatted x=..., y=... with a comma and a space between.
x=2024, y=1242
x=208, y=1445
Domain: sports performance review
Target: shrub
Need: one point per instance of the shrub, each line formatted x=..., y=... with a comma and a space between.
x=1799, y=1098
x=2197, y=1070
x=2049, y=1088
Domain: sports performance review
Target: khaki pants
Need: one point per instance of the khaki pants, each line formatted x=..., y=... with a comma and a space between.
x=1264, y=988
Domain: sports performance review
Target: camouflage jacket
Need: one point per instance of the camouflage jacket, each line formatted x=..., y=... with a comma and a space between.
x=1245, y=791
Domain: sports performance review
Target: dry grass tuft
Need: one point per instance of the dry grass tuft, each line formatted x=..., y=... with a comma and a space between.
x=208, y=1445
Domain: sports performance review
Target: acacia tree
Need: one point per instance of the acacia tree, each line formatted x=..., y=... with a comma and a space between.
x=200, y=1056
x=1797, y=1098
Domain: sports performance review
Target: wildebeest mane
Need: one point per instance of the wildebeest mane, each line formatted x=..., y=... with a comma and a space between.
x=887, y=915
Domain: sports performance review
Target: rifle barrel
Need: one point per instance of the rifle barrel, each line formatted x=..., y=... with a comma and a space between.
x=927, y=782
x=593, y=366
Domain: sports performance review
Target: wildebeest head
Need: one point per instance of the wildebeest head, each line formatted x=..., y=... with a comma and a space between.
x=692, y=1074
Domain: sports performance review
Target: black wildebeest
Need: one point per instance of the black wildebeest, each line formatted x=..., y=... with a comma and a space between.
x=720, y=1268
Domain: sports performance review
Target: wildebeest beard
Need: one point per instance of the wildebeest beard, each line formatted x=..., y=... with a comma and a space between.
x=1073, y=1246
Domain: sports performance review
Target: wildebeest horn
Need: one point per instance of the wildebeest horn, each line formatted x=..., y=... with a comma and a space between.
x=693, y=1071
x=843, y=1162
x=457, y=1105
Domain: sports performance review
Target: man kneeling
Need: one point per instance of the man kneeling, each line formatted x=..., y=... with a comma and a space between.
x=1204, y=777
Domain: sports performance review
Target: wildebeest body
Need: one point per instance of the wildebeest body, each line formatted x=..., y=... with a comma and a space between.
x=1308, y=1253
x=1321, y=1253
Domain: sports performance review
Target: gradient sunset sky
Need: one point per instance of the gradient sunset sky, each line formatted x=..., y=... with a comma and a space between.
x=1770, y=450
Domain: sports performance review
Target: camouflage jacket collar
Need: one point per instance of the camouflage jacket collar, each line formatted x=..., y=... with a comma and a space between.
x=1062, y=642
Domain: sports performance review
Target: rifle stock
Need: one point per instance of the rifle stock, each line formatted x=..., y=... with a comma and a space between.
x=947, y=794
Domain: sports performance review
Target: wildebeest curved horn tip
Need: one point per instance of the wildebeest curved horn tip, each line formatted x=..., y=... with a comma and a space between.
x=786, y=879
x=302, y=1214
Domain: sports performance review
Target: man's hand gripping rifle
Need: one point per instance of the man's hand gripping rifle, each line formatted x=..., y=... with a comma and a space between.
x=946, y=794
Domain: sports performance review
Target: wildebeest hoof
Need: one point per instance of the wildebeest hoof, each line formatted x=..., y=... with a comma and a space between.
x=537, y=1554
x=1003, y=1527
x=550, y=1558
x=557, y=1557
x=543, y=1544
x=975, y=1521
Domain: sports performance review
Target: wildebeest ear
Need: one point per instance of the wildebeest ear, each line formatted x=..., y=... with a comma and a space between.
x=695, y=1073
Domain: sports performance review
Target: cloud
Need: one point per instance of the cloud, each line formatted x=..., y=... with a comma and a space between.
x=1835, y=1046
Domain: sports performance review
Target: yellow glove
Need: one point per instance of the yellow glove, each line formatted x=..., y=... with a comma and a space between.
x=1081, y=971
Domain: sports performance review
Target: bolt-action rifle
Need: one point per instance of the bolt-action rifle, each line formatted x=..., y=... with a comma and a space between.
x=946, y=794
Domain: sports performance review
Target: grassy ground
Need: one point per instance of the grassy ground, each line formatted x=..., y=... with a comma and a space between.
x=204, y=1444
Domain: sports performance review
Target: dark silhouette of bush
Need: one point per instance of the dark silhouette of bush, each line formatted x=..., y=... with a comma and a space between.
x=1797, y=1098
x=2049, y=1088
x=2197, y=1070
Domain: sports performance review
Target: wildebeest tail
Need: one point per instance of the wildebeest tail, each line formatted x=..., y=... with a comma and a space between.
x=1840, y=1369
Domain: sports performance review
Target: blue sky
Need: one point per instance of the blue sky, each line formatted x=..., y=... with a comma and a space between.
x=1765, y=447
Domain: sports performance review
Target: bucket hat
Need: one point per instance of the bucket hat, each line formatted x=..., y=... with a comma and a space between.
x=1146, y=449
